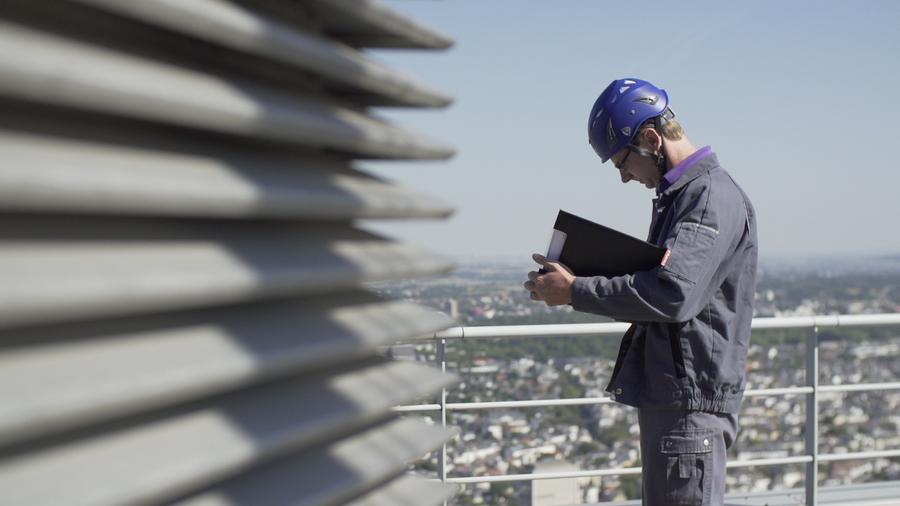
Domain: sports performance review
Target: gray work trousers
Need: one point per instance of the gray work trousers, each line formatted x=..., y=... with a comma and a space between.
x=683, y=456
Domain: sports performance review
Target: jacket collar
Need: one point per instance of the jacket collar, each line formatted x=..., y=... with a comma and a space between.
x=701, y=167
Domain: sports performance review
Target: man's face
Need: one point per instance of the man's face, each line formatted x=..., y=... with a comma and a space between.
x=633, y=167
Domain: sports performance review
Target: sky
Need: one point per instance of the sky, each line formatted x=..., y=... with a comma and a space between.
x=800, y=101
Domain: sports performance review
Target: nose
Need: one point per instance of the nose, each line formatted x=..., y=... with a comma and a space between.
x=626, y=177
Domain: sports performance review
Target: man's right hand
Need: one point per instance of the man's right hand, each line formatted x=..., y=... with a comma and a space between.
x=553, y=288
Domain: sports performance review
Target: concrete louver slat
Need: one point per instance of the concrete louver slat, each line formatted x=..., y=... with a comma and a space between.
x=56, y=270
x=370, y=23
x=184, y=451
x=331, y=475
x=239, y=28
x=38, y=67
x=50, y=174
x=105, y=370
x=191, y=323
x=407, y=490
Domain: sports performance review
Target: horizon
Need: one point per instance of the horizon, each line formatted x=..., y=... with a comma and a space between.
x=811, y=265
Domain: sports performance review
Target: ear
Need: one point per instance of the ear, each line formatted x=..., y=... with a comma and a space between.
x=654, y=139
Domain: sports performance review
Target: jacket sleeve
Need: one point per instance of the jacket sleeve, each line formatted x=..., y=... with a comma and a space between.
x=698, y=242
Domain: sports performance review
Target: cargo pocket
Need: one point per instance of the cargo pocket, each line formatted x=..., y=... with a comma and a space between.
x=688, y=466
x=690, y=251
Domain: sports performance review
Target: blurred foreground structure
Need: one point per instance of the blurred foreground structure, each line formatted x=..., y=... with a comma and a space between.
x=182, y=318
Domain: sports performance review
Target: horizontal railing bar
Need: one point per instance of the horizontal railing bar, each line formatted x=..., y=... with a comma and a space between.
x=858, y=387
x=867, y=320
x=417, y=407
x=546, y=476
x=534, y=403
x=762, y=392
x=577, y=401
x=831, y=457
x=778, y=461
x=567, y=329
x=617, y=328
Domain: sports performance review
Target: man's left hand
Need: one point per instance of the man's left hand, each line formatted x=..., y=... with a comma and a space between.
x=554, y=287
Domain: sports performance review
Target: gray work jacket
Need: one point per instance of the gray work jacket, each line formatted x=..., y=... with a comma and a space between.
x=687, y=347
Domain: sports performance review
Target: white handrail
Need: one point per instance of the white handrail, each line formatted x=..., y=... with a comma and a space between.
x=616, y=329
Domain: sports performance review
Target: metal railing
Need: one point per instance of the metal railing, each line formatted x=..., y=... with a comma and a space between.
x=811, y=390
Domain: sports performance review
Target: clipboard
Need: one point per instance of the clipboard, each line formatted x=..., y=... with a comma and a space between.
x=591, y=249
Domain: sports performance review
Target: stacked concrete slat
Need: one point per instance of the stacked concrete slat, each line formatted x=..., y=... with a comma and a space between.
x=183, y=312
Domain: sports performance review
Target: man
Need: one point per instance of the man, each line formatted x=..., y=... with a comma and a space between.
x=682, y=361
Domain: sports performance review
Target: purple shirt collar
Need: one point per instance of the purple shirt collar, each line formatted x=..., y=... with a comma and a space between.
x=675, y=172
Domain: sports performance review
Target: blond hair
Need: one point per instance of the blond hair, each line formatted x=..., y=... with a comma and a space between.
x=670, y=130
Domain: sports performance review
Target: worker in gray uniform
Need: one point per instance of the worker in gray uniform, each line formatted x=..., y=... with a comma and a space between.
x=682, y=362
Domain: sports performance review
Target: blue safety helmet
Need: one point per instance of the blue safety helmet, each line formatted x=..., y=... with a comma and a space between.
x=619, y=112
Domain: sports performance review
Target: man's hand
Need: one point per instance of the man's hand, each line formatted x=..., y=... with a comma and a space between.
x=554, y=287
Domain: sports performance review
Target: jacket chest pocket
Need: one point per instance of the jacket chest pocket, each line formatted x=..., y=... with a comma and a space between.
x=688, y=466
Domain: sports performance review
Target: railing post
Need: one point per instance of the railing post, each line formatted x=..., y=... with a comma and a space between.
x=812, y=415
x=442, y=462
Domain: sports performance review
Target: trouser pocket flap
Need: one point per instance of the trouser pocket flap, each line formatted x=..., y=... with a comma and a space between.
x=684, y=446
x=687, y=441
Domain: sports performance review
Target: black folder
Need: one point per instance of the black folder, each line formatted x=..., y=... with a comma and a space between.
x=590, y=249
